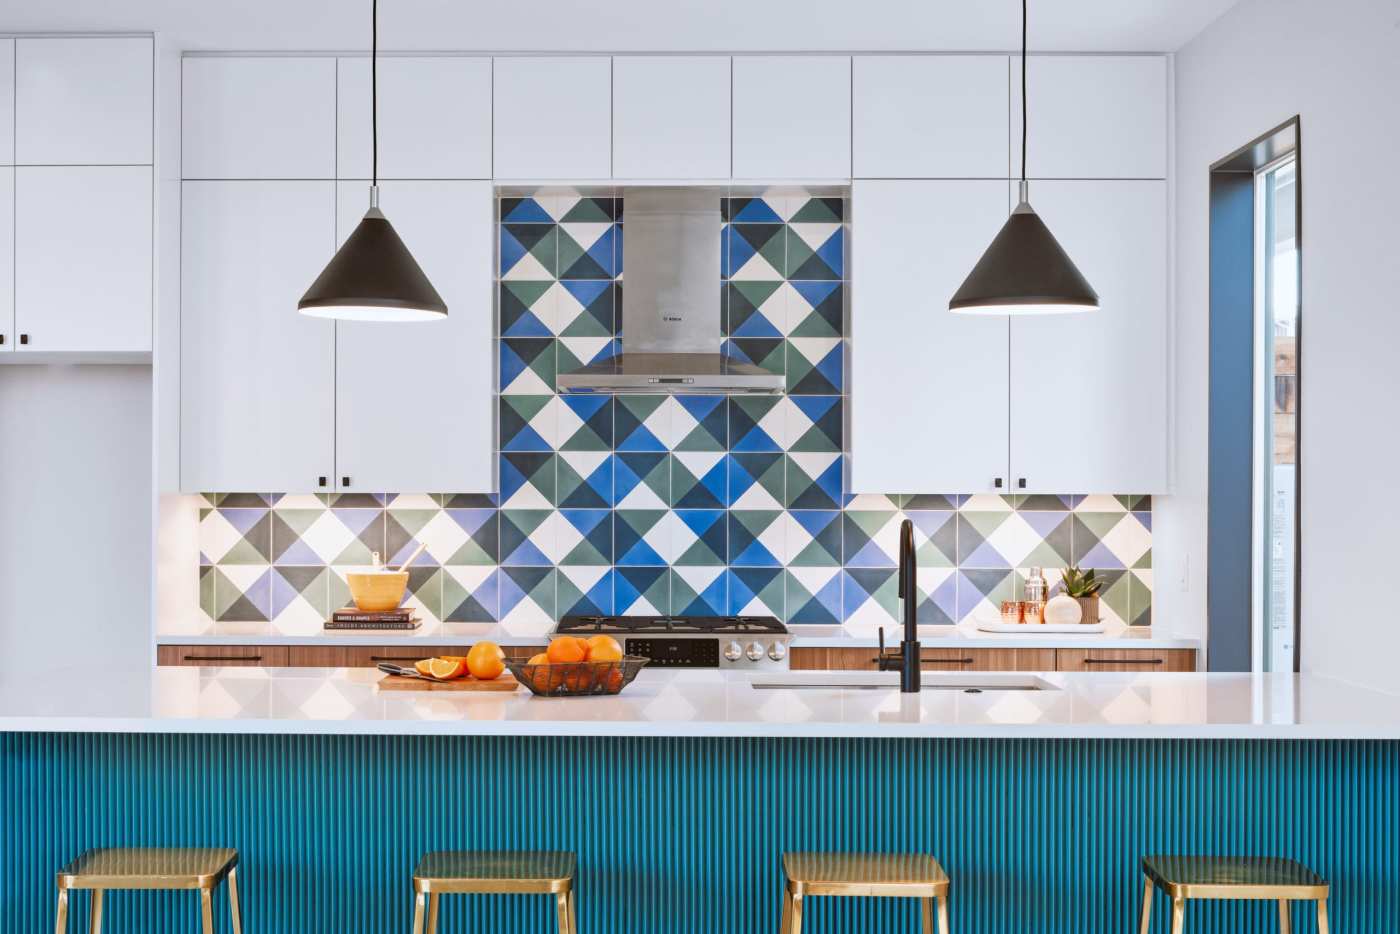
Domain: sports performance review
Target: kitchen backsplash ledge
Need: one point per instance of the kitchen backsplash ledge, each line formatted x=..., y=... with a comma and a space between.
x=667, y=504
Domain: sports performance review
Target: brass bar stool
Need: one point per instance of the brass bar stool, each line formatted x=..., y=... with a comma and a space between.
x=879, y=875
x=1230, y=877
x=151, y=868
x=493, y=873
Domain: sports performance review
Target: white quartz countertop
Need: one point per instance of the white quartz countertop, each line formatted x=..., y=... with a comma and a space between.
x=931, y=637
x=705, y=703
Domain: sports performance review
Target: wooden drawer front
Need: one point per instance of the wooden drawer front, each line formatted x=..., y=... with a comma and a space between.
x=815, y=659
x=367, y=656
x=1148, y=660
x=274, y=656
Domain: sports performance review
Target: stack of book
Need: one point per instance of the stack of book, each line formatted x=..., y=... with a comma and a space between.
x=352, y=618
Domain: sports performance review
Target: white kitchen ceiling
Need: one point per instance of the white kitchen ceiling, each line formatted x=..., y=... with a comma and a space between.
x=635, y=25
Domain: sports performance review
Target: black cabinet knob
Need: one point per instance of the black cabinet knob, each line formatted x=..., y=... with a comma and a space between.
x=2, y=340
x=997, y=483
x=24, y=338
x=1021, y=483
x=320, y=481
x=344, y=481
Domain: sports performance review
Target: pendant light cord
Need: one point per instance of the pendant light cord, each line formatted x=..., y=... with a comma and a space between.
x=1023, y=91
x=374, y=92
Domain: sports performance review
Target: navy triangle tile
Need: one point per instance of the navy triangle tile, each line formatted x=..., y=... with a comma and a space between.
x=631, y=582
x=827, y=377
x=524, y=211
x=752, y=210
x=827, y=303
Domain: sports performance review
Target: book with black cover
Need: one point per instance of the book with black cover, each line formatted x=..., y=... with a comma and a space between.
x=382, y=625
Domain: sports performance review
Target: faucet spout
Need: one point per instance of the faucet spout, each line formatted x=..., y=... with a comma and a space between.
x=909, y=670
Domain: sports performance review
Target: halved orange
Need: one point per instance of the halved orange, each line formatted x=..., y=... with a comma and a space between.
x=441, y=668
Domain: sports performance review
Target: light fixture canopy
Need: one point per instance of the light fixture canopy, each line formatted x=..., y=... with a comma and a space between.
x=373, y=276
x=1025, y=271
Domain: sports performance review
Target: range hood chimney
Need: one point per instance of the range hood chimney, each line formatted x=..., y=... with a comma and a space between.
x=671, y=304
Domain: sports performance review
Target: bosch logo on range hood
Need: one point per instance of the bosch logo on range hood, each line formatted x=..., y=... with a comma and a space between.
x=671, y=304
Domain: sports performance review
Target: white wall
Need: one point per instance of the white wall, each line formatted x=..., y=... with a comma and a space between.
x=75, y=515
x=1337, y=64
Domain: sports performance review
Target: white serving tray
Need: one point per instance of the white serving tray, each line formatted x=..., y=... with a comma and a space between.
x=1033, y=629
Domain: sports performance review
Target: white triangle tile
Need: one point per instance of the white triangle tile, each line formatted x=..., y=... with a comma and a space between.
x=443, y=536
x=1128, y=540
x=217, y=536
x=527, y=269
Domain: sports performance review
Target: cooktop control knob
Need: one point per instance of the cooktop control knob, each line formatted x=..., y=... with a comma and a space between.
x=733, y=652
x=755, y=651
x=777, y=651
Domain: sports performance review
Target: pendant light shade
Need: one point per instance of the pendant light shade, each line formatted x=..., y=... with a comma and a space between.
x=1025, y=271
x=373, y=277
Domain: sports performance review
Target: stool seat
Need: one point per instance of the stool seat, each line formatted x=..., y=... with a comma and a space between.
x=149, y=868
x=103, y=870
x=1184, y=878
x=493, y=872
x=864, y=875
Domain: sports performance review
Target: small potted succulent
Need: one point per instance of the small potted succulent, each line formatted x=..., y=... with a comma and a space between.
x=1083, y=586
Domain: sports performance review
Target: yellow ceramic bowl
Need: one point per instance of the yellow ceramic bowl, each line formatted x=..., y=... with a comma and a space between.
x=379, y=591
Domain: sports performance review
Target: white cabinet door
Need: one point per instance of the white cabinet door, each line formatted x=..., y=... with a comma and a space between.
x=930, y=116
x=413, y=401
x=553, y=118
x=1092, y=116
x=83, y=258
x=792, y=117
x=928, y=387
x=9, y=339
x=258, y=117
x=84, y=101
x=7, y=101
x=671, y=117
x=434, y=117
x=1088, y=391
x=257, y=379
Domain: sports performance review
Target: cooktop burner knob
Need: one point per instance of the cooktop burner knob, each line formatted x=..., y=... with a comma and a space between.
x=777, y=651
x=755, y=651
x=733, y=652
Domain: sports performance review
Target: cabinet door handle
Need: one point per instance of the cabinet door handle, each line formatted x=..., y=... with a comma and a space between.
x=223, y=658
x=2, y=340
x=344, y=481
x=1122, y=661
x=24, y=338
x=1021, y=483
x=395, y=658
x=320, y=481
x=997, y=483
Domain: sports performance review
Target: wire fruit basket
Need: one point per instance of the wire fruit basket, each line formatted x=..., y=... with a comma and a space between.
x=577, y=679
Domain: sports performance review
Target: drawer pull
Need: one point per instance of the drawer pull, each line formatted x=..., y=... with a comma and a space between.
x=397, y=658
x=223, y=658
x=1122, y=661
x=947, y=661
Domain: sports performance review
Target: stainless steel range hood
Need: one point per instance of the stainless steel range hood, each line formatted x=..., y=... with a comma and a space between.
x=671, y=304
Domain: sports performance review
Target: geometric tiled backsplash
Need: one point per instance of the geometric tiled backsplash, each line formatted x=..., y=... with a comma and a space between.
x=679, y=504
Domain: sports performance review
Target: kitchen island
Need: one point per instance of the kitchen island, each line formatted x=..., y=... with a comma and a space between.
x=1038, y=792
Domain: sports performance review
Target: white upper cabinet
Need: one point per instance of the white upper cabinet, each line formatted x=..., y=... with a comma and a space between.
x=1092, y=116
x=930, y=116
x=8, y=337
x=434, y=118
x=257, y=396
x=7, y=102
x=928, y=387
x=413, y=401
x=792, y=117
x=1088, y=391
x=258, y=117
x=671, y=117
x=83, y=258
x=553, y=118
x=83, y=101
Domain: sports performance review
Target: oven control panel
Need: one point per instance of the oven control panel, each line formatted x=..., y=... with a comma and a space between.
x=666, y=652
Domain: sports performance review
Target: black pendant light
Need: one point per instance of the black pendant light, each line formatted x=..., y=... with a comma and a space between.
x=1025, y=271
x=373, y=277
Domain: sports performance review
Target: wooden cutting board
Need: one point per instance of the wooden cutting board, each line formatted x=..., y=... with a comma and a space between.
x=400, y=683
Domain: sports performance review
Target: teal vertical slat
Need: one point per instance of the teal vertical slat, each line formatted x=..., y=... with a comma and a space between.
x=684, y=835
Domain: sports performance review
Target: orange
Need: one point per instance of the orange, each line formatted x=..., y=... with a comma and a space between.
x=567, y=649
x=441, y=668
x=486, y=661
x=541, y=675
x=612, y=680
x=422, y=666
x=579, y=677
x=604, y=649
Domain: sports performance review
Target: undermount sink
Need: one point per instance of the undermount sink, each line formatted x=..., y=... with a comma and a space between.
x=966, y=682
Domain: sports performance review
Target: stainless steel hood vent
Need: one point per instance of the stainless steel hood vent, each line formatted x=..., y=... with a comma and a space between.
x=671, y=304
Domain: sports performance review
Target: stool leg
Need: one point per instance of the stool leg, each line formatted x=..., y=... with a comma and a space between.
x=433, y=912
x=1178, y=914
x=1322, y=916
x=927, y=905
x=573, y=913
x=1285, y=921
x=796, y=926
x=786, y=924
x=235, y=914
x=419, y=902
x=561, y=904
x=943, y=927
x=206, y=909
x=95, y=925
x=62, y=926
x=1145, y=926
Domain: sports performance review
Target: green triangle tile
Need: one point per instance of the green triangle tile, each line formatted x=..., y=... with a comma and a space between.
x=814, y=325
x=755, y=520
x=798, y=252
x=526, y=407
x=986, y=522
x=700, y=440
x=357, y=552
x=226, y=593
x=546, y=250
x=412, y=521
x=1139, y=597
x=774, y=593
x=1117, y=593
x=565, y=361
x=568, y=592
x=567, y=480
x=584, y=554
x=640, y=521
x=471, y=553
x=929, y=555
x=1145, y=562
x=244, y=552
x=587, y=209
x=816, y=556
x=700, y=555
x=527, y=293
x=1099, y=523
x=818, y=210
x=339, y=591
x=525, y=520
x=871, y=521
x=773, y=479
x=585, y=439
x=297, y=521
x=681, y=593
x=641, y=407
x=583, y=325
x=208, y=599
x=816, y=441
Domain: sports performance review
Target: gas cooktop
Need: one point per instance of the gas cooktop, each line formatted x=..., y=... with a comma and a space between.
x=700, y=625
x=740, y=642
